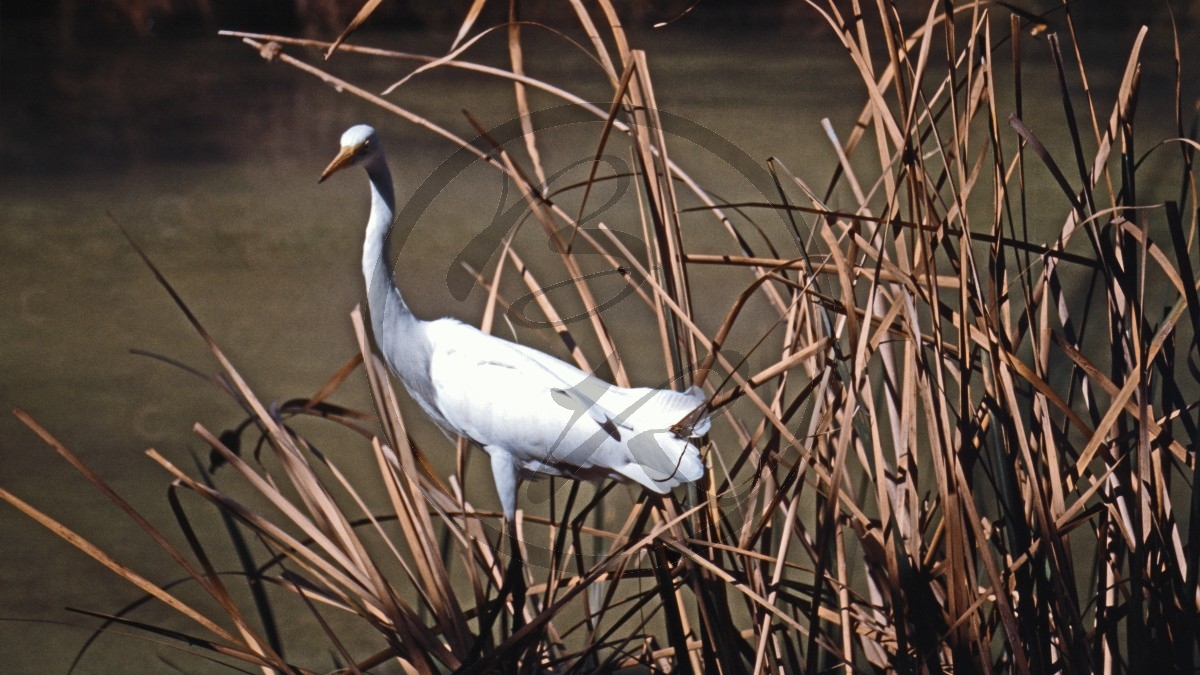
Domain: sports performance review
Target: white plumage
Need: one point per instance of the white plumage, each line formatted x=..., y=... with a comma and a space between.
x=531, y=412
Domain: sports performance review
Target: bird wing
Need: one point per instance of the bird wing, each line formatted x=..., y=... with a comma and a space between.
x=555, y=418
x=642, y=407
x=496, y=393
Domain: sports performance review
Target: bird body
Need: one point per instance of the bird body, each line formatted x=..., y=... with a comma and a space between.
x=532, y=413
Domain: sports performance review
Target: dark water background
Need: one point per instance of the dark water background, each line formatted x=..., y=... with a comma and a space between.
x=209, y=157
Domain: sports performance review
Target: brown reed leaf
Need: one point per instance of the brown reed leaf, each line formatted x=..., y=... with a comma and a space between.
x=368, y=8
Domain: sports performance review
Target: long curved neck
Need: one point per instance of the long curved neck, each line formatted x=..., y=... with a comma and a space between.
x=387, y=307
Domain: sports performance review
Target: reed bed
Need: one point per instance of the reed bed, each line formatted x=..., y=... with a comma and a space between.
x=971, y=447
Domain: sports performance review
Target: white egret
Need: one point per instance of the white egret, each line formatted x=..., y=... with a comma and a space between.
x=532, y=413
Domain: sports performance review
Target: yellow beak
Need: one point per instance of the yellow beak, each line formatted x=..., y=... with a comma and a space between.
x=344, y=158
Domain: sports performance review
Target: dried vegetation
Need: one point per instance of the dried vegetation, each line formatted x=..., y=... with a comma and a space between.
x=973, y=448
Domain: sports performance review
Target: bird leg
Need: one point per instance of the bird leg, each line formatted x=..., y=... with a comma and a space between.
x=514, y=584
x=514, y=577
x=504, y=473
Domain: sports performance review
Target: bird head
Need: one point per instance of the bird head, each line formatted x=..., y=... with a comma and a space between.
x=359, y=146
